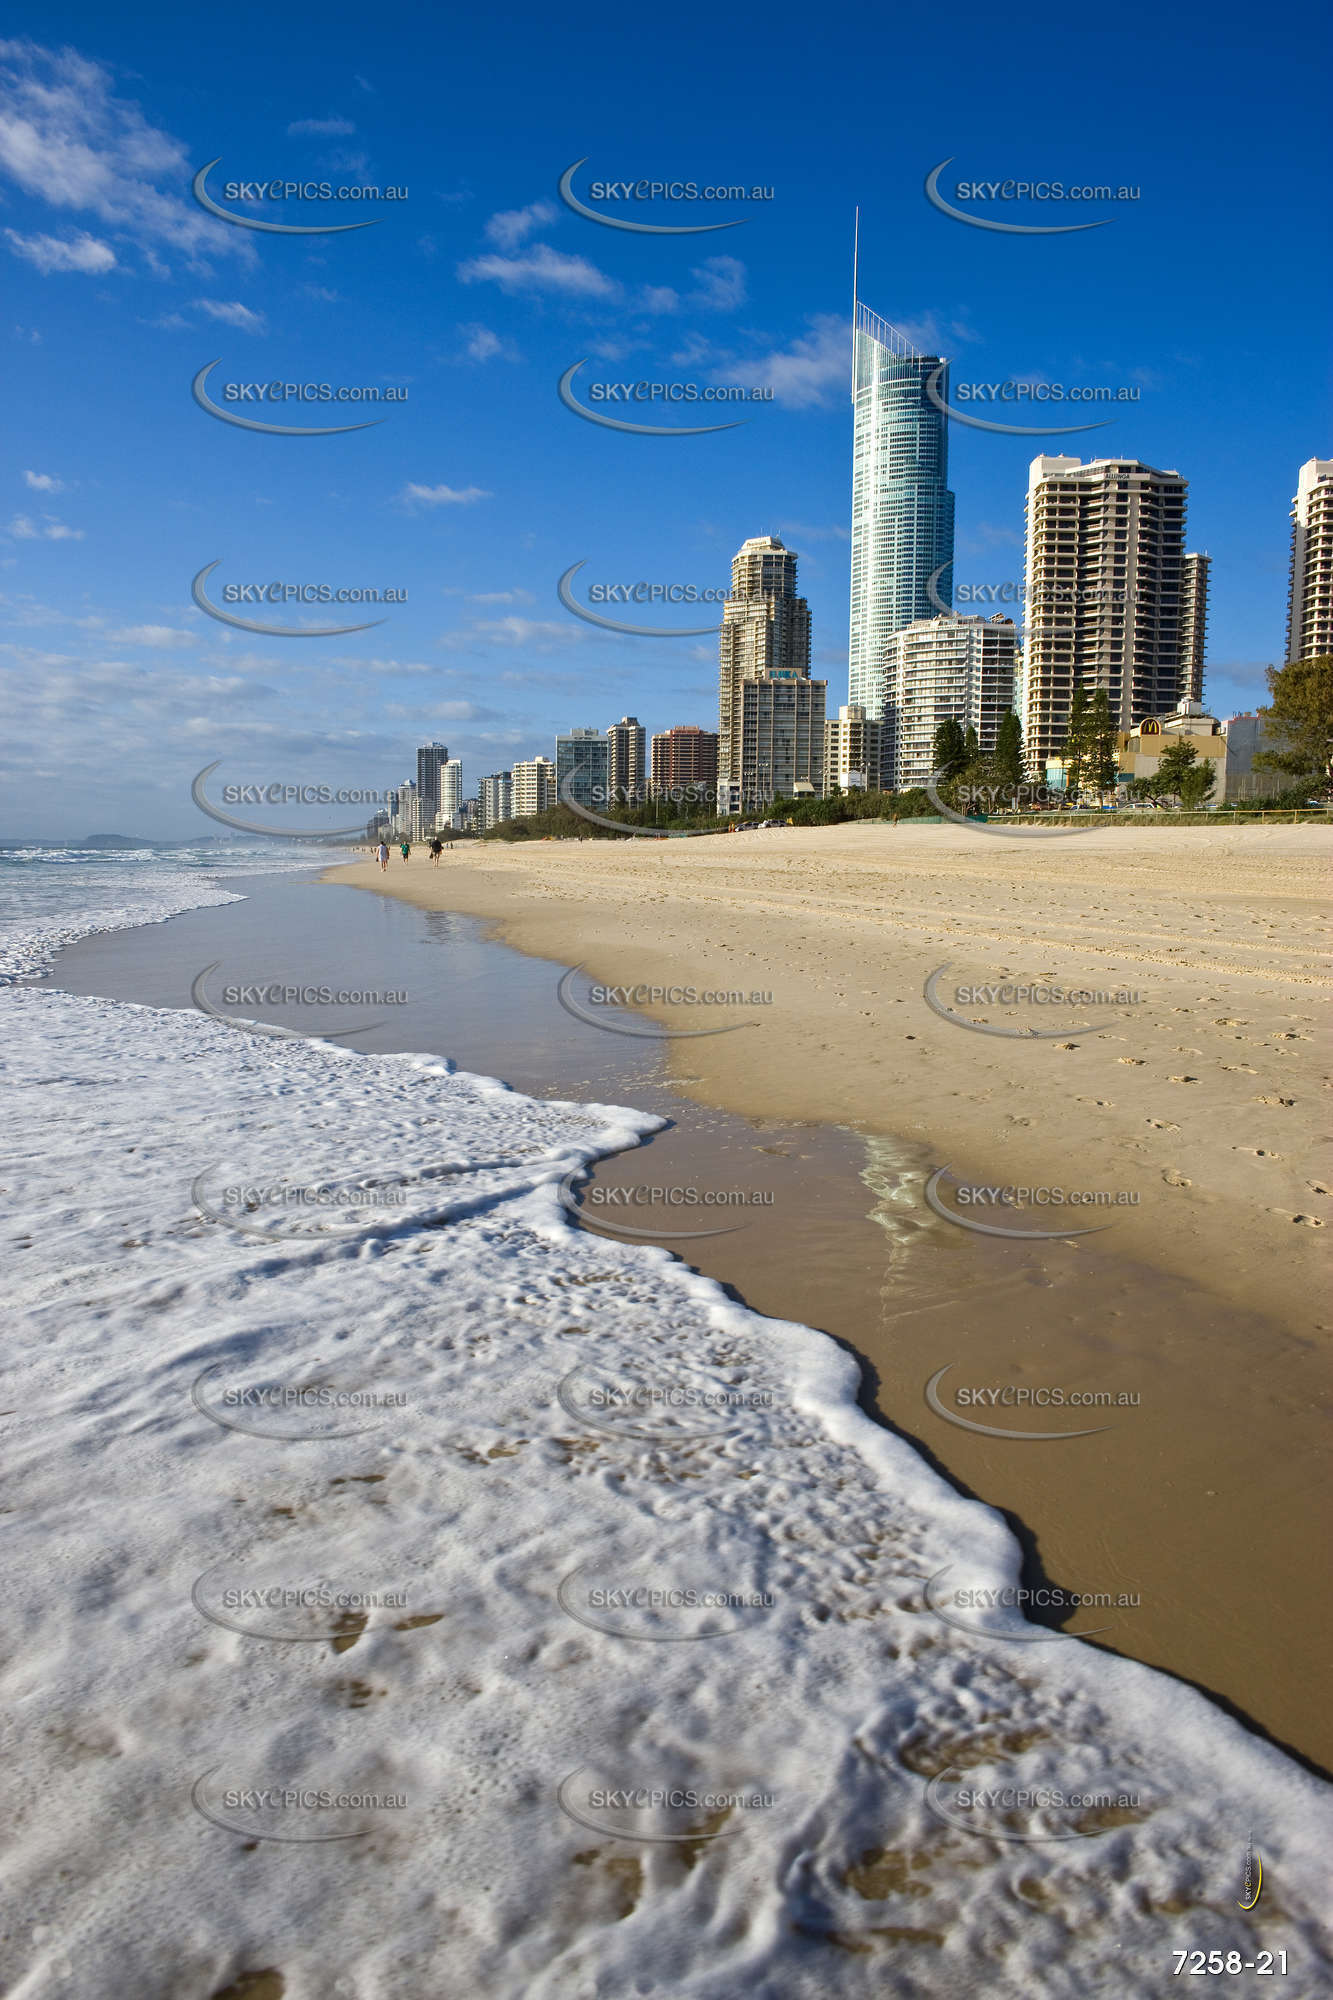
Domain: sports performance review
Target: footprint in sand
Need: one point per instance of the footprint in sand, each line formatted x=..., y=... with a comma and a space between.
x=1245, y=1069
x=1182, y=1079
x=1161, y=1125
x=1102, y=1103
x=1273, y=1100
x=1310, y=1221
x=1135, y=1062
x=1174, y=1179
x=1315, y=1187
x=1260, y=1153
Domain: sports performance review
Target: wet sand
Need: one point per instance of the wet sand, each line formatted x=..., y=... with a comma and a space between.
x=1202, y=1498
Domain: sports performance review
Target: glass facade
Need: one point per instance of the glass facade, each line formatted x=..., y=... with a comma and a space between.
x=583, y=764
x=902, y=509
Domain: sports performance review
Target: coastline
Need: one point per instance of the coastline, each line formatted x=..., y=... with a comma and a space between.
x=1199, y=1302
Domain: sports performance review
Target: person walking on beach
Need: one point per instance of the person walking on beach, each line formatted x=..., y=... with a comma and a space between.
x=383, y=858
x=436, y=850
x=405, y=849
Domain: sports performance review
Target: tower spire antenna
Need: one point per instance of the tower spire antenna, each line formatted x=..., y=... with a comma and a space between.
x=856, y=255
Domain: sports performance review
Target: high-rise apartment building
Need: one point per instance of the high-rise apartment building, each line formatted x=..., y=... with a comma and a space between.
x=451, y=794
x=1105, y=580
x=765, y=634
x=431, y=760
x=947, y=668
x=407, y=817
x=902, y=509
x=495, y=800
x=534, y=787
x=1310, y=593
x=1193, y=624
x=779, y=740
x=853, y=752
x=628, y=777
x=583, y=768
x=683, y=757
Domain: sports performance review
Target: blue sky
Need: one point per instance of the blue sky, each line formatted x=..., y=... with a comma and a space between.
x=477, y=292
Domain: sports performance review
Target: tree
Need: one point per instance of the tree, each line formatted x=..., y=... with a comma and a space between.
x=1196, y=786
x=1077, y=742
x=1008, y=753
x=950, y=747
x=1102, y=760
x=1301, y=710
x=972, y=744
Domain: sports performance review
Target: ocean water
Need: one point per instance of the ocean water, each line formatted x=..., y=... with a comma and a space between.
x=409, y=1593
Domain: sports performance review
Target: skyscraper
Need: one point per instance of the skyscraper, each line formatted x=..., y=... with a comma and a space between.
x=1194, y=623
x=431, y=759
x=853, y=752
x=534, y=787
x=945, y=668
x=626, y=738
x=451, y=791
x=684, y=756
x=1105, y=581
x=765, y=634
x=495, y=800
x=582, y=768
x=902, y=509
x=1310, y=594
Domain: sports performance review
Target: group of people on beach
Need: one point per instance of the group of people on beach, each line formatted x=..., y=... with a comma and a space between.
x=405, y=849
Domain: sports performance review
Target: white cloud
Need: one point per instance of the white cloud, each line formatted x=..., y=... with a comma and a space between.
x=481, y=344
x=69, y=141
x=316, y=128
x=806, y=372
x=721, y=282
x=658, y=299
x=442, y=496
x=24, y=529
x=513, y=226
x=513, y=631
x=232, y=313
x=159, y=637
x=53, y=253
x=541, y=269
x=44, y=482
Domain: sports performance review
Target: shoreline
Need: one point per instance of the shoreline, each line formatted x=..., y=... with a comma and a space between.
x=1202, y=1322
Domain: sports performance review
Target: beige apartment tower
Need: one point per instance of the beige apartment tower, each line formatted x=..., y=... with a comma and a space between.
x=533, y=787
x=1193, y=624
x=1310, y=594
x=765, y=635
x=1106, y=595
x=949, y=668
x=853, y=752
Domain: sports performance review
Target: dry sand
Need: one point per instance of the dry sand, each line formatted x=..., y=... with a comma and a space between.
x=1200, y=1096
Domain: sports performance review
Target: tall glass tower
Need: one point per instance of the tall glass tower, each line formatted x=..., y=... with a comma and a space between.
x=902, y=509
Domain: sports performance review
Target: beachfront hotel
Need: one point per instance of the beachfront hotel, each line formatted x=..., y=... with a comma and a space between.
x=1310, y=590
x=685, y=755
x=1193, y=624
x=766, y=740
x=1105, y=590
x=583, y=767
x=902, y=509
x=627, y=760
x=534, y=786
x=853, y=752
x=946, y=668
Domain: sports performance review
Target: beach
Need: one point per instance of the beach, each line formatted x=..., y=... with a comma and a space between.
x=1198, y=1095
